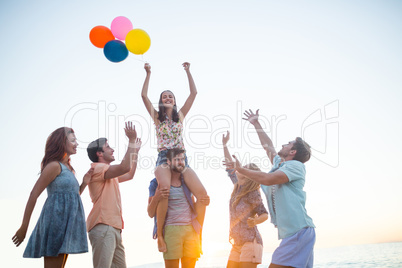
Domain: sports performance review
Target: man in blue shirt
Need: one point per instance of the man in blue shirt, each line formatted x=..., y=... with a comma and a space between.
x=283, y=187
x=182, y=230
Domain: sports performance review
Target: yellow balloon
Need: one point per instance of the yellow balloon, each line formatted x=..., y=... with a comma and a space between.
x=138, y=41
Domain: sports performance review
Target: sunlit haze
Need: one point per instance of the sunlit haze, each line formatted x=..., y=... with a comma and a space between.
x=327, y=71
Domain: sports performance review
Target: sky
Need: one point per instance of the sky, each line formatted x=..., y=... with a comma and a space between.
x=328, y=71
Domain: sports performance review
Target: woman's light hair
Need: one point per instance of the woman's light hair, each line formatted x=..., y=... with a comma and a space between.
x=247, y=187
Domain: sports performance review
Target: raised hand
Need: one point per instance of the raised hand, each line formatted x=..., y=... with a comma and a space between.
x=225, y=139
x=130, y=132
x=147, y=68
x=186, y=66
x=251, y=117
x=235, y=165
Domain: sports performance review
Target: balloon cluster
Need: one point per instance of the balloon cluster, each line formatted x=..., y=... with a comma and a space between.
x=137, y=41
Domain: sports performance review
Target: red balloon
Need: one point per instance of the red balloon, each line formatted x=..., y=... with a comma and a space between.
x=100, y=35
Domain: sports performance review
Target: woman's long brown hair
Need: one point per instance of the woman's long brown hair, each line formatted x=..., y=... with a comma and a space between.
x=162, y=109
x=55, y=149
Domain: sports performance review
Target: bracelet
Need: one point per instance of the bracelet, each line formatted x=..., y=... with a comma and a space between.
x=132, y=145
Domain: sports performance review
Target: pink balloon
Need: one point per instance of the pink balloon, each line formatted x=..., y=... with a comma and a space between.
x=120, y=27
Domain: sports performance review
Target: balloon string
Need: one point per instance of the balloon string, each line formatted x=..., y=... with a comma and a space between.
x=142, y=58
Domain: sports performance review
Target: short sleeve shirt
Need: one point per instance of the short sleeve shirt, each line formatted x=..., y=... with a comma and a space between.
x=106, y=199
x=286, y=202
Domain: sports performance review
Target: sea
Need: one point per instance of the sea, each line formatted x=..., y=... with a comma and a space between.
x=385, y=255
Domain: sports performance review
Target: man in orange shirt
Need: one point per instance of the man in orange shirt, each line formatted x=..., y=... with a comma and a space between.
x=105, y=221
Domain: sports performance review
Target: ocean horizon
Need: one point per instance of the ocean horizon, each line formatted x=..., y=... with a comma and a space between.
x=384, y=255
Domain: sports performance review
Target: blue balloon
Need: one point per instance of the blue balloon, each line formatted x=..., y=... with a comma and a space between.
x=115, y=51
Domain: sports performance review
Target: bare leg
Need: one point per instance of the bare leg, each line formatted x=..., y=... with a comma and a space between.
x=232, y=264
x=248, y=265
x=55, y=262
x=196, y=187
x=172, y=263
x=65, y=260
x=200, y=208
x=163, y=176
x=187, y=262
x=194, y=184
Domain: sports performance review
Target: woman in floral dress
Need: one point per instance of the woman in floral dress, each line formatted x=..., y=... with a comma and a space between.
x=169, y=131
x=246, y=211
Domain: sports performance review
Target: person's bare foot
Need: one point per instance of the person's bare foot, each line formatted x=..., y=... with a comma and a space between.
x=161, y=244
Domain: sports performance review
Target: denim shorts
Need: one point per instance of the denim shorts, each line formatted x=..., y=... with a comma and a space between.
x=162, y=158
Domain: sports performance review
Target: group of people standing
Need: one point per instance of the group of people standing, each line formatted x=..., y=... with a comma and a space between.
x=177, y=198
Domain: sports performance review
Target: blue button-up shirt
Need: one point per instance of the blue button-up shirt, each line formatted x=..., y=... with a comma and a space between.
x=286, y=202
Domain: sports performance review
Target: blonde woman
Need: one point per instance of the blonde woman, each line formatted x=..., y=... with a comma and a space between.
x=246, y=211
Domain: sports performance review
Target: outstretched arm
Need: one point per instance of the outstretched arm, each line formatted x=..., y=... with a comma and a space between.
x=228, y=158
x=277, y=177
x=266, y=142
x=226, y=152
x=124, y=167
x=49, y=173
x=193, y=92
x=130, y=175
x=144, y=94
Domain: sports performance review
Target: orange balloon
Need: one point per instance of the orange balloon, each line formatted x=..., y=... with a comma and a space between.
x=100, y=35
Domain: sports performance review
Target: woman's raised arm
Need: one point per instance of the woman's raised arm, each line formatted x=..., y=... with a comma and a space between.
x=144, y=94
x=193, y=92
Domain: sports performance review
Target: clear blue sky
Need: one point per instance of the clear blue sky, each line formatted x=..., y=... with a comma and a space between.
x=328, y=71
